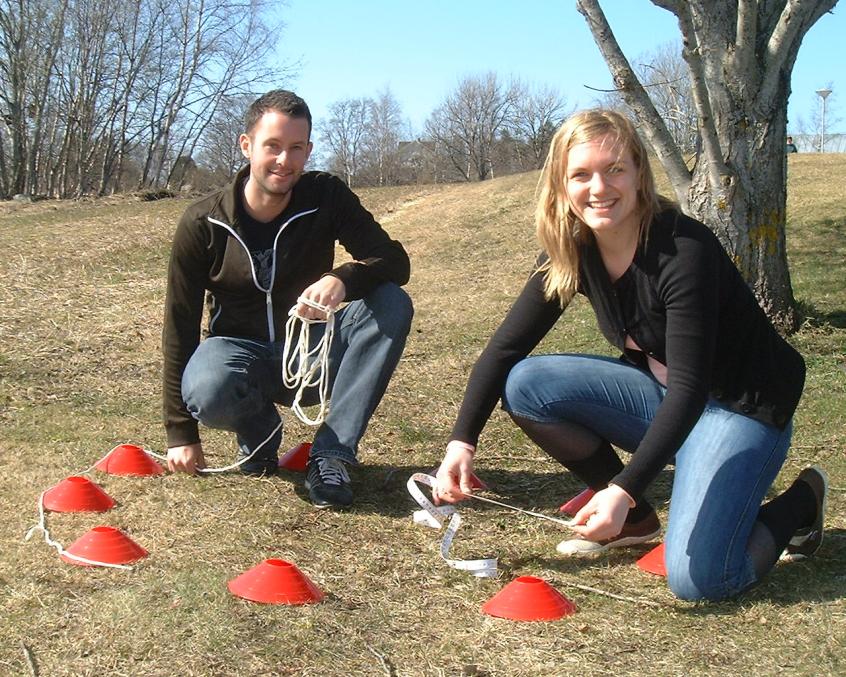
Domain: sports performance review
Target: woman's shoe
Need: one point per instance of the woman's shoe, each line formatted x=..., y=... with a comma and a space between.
x=633, y=533
x=808, y=540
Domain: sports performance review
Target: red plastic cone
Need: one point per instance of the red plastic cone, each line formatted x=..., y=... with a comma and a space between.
x=528, y=598
x=105, y=544
x=275, y=581
x=296, y=459
x=476, y=483
x=578, y=502
x=653, y=561
x=77, y=494
x=128, y=459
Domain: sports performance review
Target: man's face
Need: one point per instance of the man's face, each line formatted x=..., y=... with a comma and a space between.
x=277, y=148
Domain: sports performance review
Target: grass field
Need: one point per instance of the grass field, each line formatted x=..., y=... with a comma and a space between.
x=81, y=293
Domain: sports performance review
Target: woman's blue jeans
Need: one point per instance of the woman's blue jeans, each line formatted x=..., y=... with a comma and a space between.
x=233, y=383
x=722, y=471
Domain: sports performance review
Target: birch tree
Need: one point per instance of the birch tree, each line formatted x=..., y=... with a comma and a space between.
x=740, y=55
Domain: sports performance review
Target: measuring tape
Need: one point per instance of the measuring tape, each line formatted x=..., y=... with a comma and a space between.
x=434, y=516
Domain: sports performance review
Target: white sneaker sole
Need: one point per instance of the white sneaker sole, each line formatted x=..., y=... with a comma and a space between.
x=580, y=547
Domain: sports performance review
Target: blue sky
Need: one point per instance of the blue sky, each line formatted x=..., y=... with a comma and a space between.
x=355, y=48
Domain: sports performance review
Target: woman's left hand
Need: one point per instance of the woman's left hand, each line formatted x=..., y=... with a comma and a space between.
x=604, y=515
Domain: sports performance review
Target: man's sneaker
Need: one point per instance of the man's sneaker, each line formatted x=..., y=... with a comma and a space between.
x=265, y=461
x=633, y=533
x=808, y=540
x=259, y=466
x=328, y=483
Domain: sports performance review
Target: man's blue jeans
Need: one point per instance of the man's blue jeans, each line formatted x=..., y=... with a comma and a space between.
x=233, y=383
x=722, y=471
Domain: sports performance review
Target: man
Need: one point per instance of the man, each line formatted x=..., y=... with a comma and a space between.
x=790, y=147
x=257, y=246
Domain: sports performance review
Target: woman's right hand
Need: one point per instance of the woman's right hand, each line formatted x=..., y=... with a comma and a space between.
x=454, y=476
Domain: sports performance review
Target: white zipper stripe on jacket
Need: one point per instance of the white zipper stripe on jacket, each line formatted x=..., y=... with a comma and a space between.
x=269, y=291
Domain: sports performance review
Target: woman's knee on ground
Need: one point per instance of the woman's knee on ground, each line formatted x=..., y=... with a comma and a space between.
x=698, y=581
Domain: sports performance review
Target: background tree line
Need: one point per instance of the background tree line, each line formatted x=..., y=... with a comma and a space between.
x=485, y=127
x=100, y=97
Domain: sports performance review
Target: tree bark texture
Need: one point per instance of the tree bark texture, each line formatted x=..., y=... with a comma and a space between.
x=740, y=54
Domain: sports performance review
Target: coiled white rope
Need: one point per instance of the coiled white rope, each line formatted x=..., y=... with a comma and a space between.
x=303, y=367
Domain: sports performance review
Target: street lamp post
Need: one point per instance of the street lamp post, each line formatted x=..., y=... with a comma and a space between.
x=823, y=94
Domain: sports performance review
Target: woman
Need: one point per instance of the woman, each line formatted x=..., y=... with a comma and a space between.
x=704, y=379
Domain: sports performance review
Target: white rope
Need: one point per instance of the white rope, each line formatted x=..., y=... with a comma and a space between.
x=42, y=518
x=42, y=526
x=435, y=516
x=303, y=367
x=227, y=468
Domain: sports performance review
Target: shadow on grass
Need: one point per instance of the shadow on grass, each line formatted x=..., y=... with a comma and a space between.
x=816, y=318
x=816, y=580
x=381, y=489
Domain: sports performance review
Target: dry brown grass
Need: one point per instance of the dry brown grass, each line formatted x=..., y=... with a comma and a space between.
x=81, y=287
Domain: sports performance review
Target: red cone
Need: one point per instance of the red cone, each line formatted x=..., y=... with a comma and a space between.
x=105, y=544
x=296, y=459
x=275, y=581
x=528, y=598
x=128, y=459
x=476, y=483
x=653, y=561
x=77, y=494
x=578, y=502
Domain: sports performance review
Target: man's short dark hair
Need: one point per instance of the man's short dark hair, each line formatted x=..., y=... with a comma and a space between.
x=281, y=101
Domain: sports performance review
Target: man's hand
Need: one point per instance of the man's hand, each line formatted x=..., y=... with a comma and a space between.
x=604, y=514
x=187, y=459
x=328, y=291
x=454, y=476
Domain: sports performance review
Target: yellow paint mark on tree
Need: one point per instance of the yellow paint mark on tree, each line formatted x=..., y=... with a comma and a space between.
x=764, y=236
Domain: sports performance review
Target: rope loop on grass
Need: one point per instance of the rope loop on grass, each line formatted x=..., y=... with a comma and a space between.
x=435, y=516
x=42, y=527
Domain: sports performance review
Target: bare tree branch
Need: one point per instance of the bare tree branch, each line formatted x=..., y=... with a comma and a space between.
x=637, y=98
x=795, y=20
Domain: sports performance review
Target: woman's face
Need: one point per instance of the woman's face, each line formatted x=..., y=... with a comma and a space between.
x=601, y=184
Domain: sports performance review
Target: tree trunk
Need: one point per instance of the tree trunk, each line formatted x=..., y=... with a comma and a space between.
x=740, y=56
x=747, y=212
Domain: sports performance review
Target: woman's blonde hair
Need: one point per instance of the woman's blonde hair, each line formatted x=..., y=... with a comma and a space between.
x=558, y=228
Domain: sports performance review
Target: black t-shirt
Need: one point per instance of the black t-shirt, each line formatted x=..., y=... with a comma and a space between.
x=259, y=236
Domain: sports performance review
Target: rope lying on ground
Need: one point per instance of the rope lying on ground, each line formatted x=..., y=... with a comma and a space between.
x=301, y=368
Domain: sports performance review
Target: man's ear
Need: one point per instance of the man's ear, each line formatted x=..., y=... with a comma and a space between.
x=309, y=149
x=246, y=143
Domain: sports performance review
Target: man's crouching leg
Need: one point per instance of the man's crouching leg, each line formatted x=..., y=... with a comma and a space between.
x=370, y=335
x=227, y=385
